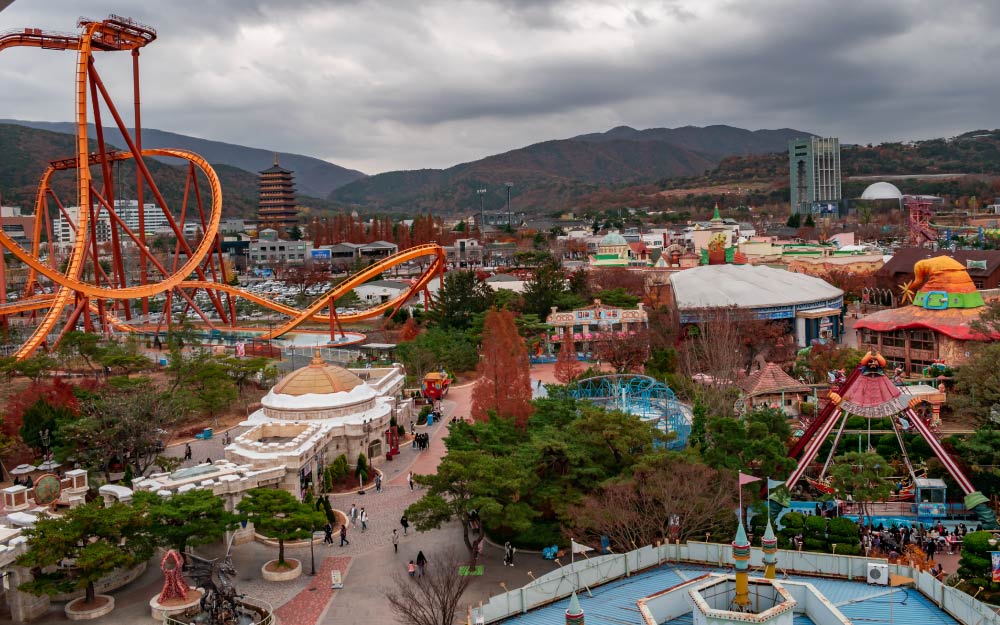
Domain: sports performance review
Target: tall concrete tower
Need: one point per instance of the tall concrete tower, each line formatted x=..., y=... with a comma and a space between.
x=814, y=172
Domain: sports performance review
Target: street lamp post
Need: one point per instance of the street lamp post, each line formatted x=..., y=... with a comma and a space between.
x=46, y=439
x=312, y=556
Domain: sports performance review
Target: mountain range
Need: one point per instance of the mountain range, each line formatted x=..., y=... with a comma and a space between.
x=549, y=175
x=546, y=177
x=313, y=177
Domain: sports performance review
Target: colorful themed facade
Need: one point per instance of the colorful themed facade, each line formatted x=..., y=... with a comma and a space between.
x=597, y=322
x=936, y=328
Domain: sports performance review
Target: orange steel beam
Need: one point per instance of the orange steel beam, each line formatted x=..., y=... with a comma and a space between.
x=364, y=276
x=131, y=292
x=298, y=316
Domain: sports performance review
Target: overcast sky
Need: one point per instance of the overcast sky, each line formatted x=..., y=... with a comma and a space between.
x=425, y=83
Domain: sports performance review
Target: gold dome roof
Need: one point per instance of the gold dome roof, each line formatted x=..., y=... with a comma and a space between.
x=319, y=378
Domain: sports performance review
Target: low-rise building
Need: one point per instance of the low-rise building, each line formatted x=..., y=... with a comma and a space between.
x=378, y=291
x=811, y=305
x=595, y=323
x=771, y=386
x=272, y=251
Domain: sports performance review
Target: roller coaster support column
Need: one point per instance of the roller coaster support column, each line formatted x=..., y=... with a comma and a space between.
x=334, y=322
x=143, y=277
x=109, y=193
x=3, y=278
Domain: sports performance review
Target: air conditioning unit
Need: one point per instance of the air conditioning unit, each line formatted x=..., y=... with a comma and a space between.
x=878, y=573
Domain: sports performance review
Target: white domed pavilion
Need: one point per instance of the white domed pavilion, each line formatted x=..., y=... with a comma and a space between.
x=317, y=413
x=881, y=191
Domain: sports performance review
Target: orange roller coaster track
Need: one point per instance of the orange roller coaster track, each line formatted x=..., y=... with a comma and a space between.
x=107, y=295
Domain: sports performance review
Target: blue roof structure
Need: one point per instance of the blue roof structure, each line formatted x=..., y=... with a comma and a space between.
x=614, y=603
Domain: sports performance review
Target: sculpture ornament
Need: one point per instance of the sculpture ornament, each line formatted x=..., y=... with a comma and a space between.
x=717, y=243
x=174, y=586
x=873, y=364
x=220, y=601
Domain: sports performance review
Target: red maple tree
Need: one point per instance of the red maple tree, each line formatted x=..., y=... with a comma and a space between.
x=504, y=384
x=567, y=366
x=409, y=331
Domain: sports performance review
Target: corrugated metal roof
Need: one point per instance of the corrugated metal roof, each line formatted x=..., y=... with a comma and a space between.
x=747, y=286
x=615, y=603
x=900, y=607
x=612, y=604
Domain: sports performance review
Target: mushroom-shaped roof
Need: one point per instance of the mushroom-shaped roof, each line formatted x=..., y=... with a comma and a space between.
x=318, y=378
x=881, y=191
x=613, y=238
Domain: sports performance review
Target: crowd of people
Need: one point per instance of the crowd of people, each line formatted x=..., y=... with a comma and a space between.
x=892, y=542
x=931, y=539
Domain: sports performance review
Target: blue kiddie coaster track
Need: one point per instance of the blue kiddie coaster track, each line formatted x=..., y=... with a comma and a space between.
x=640, y=395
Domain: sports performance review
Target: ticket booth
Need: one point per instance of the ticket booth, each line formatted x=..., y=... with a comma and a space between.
x=931, y=498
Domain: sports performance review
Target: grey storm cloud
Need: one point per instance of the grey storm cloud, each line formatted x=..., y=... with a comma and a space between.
x=379, y=85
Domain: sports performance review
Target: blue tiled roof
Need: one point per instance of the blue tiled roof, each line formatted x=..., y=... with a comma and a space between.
x=615, y=603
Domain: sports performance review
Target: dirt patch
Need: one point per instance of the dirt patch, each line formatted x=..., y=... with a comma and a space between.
x=274, y=567
x=81, y=605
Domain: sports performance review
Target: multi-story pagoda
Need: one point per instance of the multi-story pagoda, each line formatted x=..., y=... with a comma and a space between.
x=277, y=199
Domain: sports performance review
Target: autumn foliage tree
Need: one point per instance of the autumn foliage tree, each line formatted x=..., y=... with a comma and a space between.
x=625, y=353
x=567, y=366
x=409, y=331
x=504, y=385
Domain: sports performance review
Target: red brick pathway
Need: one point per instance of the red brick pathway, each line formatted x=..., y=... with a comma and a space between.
x=307, y=606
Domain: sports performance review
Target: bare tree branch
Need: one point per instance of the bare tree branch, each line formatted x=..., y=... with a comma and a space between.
x=432, y=599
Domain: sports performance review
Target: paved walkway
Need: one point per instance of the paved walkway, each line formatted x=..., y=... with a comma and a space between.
x=307, y=606
x=369, y=562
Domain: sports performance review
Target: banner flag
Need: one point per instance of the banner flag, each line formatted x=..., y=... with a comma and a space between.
x=747, y=479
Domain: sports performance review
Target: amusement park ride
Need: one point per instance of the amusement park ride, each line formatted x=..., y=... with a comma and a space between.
x=868, y=392
x=104, y=301
x=923, y=231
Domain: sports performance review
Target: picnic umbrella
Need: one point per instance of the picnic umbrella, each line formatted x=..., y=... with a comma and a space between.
x=23, y=469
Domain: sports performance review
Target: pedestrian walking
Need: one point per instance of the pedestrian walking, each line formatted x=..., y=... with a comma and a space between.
x=343, y=535
x=364, y=520
x=411, y=569
x=421, y=563
x=405, y=523
x=378, y=482
x=353, y=515
x=187, y=451
x=395, y=540
x=508, y=554
x=409, y=479
x=328, y=534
